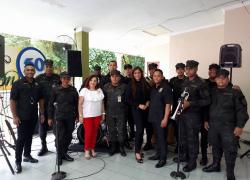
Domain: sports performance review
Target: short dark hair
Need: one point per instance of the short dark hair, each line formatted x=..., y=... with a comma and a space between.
x=127, y=66
x=112, y=61
x=86, y=84
x=29, y=64
x=214, y=66
x=159, y=70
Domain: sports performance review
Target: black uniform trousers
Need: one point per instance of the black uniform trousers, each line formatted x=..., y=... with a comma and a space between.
x=117, y=128
x=43, y=129
x=25, y=132
x=140, y=118
x=65, y=130
x=204, y=140
x=131, y=122
x=190, y=128
x=222, y=139
x=161, y=140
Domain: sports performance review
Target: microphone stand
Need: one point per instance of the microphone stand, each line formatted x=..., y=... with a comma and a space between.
x=59, y=174
x=179, y=109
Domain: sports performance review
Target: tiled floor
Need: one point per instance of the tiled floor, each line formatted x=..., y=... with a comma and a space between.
x=115, y=167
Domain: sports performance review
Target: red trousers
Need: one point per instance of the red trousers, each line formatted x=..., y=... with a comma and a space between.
x=91, y=126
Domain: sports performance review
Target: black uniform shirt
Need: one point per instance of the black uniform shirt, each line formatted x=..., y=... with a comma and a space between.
x=47, y=83
x=228, y=107
x=26, y=95
x=198, y=94
x=115, y=99
x=67, y=103
x=159, y=97
x=176, y=85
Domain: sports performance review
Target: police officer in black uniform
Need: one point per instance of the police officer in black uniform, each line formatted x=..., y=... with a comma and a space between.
x=159, y=111
x=115, y=108
x=148, y=125
x=63, y=108
x=191, y=117
x=212, y=71
x=111, y=66
x=128, y=72
x=98, y=73
x=24, y=97
x=176, y=85
x=47, y=81
x=227, y=118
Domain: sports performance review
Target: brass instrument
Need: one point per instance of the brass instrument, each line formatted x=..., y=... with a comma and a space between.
x=179, y=109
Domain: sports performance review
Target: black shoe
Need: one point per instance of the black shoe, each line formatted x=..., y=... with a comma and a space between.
x=112, y=151
x=59, y=162
x=122, y=151
x=18, y=168
x=139, y=160
x=160, y=164
x=67, y=157
x=175, y=159
x=215, y=167
x=154, y=157
x=203, y=161
x=30, y=159
x=148, y=146
x=43, y=151
x=231, y=178
x=190, y=167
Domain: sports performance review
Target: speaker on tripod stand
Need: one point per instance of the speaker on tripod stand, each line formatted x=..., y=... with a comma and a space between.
x=230, y=57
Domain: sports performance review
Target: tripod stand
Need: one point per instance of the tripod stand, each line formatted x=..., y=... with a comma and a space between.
x=248, y=151
x=176, y=115
x=2, y=145
x=4, y=151
x=59, y=174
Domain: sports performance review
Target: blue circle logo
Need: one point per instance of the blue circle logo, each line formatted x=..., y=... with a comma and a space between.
x=30, y=55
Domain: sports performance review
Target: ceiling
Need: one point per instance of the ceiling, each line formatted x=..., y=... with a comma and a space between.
x=115, y=25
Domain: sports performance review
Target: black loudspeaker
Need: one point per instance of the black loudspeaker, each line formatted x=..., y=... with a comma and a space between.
x=2, y=53
x=230, y=55
x=74, y=63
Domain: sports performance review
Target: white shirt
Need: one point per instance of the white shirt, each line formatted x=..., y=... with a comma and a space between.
x=92, y=102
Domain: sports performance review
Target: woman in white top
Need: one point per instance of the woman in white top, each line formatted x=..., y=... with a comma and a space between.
x=90, y=113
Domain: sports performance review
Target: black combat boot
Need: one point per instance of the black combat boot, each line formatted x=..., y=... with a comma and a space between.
x=214, y=167
x=122, y=150
x=190, y=166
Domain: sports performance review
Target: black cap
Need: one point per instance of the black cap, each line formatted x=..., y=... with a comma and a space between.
x=222, y=72
x=152, y=66
x=180, y=65
x=127, y=66
x=115, y=72
x=64, y=74
x=48, y=62
x=214, y=66
x=192, y=63
x=97, y=68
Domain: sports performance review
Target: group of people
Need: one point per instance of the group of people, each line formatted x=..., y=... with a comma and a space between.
x=215, y=108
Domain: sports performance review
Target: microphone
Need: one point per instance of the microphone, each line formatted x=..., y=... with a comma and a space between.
x=55, y=104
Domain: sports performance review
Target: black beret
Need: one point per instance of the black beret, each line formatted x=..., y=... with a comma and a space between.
x=222, y=72
x=152, y=66
x=64, y=74
x=192, y=63
x=97, y=68
x=48, y=62
x=127, y=66
x=115, y=72
x=180, y=65
x=214, y=66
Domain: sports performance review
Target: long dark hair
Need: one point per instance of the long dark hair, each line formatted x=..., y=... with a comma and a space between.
x=87, y=80
x=142, y=81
